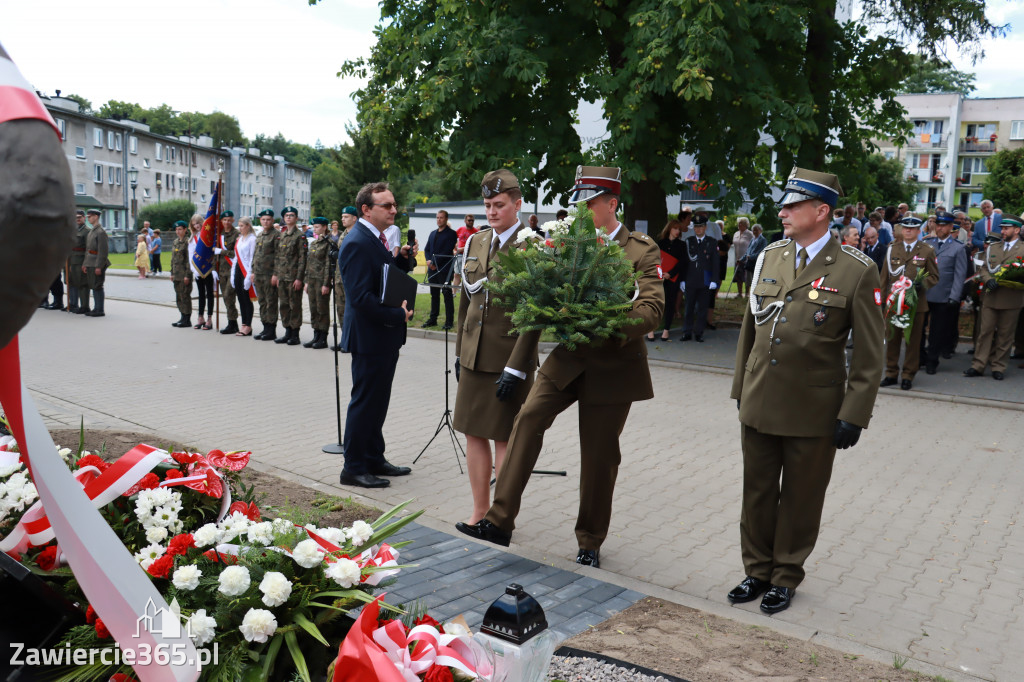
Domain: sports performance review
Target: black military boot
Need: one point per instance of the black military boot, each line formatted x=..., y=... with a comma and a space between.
x=316, y=337
x=183, y=321
x=72, y=299
x=320, y=341
x=97, y=310
x=287, y=336
x=294, y=340
x=232, y=327
x=269, y=333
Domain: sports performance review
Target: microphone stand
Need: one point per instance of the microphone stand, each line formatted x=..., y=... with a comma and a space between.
x=337, y=448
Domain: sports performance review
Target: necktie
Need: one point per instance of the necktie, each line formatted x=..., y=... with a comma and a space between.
x=802, y=262
x=384, y=241
x=495, y=245
x=988, y=224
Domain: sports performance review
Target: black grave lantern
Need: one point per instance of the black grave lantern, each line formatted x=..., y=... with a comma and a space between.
x=514, y=616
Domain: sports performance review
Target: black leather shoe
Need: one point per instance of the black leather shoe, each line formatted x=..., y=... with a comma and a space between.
x=589, y=557
x=95, y=313
x=363, y=480
x=947, y=356
x=294, y=340
x=389, y=469
x=232, y=328
x=888, y=381
x=748, y=590
x=429, y=323
x=485, y=530
x=971, y=372
x=686, y=337
x=931, y=369
x=998, y=376
x=285, y=338
x=699, y=338
x=777, y=599
x=711, y=326
x=906, y=385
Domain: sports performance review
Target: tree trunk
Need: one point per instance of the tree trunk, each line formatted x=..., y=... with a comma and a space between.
x=822, y=37
x=646, y=201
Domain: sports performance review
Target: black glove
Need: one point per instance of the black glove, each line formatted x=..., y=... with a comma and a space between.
x=954, y=301
x=737, y=404
x=846, y=434
x=507, y=383
x=991, y=285
x=458, y=369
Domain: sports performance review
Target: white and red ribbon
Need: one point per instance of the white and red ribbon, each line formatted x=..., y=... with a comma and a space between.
x=245, y=273
x=17, y=98
x=421, y=648
x=897, y=295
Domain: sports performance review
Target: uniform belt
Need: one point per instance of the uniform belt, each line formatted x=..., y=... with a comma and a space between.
x=94, y=252
x=78, y=248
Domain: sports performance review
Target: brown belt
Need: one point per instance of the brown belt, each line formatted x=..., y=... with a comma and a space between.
x=78, y=248
x=94, y=252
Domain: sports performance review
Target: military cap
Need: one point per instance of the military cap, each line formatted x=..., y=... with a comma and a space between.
x=318, y=221
x=700, y=219
x=807, y=184
x=79, y=212
x=350, y=210
x=289, y=209
x=496, y=182
x=265, y=212
x=94, y=211
x=593, y=181
x=993, y=238
x=227, y=214
x=1011, y=220
x=944, y=217
x=912, y=222
x=180, y=223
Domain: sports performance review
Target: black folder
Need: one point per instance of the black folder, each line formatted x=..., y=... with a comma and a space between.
x=396, y=286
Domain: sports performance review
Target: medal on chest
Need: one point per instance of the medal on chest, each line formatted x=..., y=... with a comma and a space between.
x=820, y=316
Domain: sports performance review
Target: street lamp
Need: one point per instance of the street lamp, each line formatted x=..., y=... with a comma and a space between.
x=159, y=184
x=133, y=180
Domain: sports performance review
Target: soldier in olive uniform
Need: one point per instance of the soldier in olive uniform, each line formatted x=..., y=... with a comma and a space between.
x=604, y=378
x=1000, y=305
x=95, y=264
x=318, y=284
x=76, y=278
x=486, y=346
x=263, y=268
x=181, y=275
x=907, y=257
x=289, y=267
x=796, y=401
x=348, y=219
x=224, y=259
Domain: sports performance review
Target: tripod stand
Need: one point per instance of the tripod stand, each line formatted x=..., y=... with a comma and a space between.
x=335, y=448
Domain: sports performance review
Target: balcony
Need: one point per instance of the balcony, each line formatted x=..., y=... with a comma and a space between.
x=925, y=176
x=973, y=144
x=927, y=141
x=971, y=179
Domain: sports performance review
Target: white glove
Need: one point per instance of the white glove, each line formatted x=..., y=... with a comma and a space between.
x=682, y=286
x=247, y=283
x=217, y=250
x=713, y=286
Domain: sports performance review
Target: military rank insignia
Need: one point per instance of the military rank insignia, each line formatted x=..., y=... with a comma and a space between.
x=878, y=297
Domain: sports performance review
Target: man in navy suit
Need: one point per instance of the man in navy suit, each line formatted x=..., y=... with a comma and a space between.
x=373, y=334
x=701, y=278
x=989, y=222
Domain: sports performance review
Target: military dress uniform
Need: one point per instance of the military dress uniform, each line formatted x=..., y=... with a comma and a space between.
x=224, y=261
x=944, y=298
x=316, y=275
x=999, y=309
x=701, y=271
x=77, y=280
x=485, y=345
x=181, y=276
x=792, y=385
x=901, y=262
x=263, y=266
x=290, y=265
x=96, y=257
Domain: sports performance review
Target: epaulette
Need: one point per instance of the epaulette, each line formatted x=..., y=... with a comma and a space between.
x=639, y=235
x=778, y=244
x=858, y=254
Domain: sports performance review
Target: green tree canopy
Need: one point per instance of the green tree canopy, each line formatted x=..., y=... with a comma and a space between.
x=85, y=104
x=1005, y=182
x=878, y=181
x=933, y=75
x=164, y=214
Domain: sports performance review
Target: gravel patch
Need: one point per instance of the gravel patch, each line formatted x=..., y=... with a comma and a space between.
x=583, y=669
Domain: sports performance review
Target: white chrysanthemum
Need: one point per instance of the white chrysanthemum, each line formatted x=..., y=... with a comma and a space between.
x=164, y=516
x=275, y=588
x=16, y=482
x=206, y=535
x=261, y=533
x=258, y=625
x=345, y=572
x=308, y=554
x=186, y=577
x=283, y=525
x=64, y=452
x=234, y=580
x=200, y=627
x=156, y=534
x=147, y=555
x=527, y=233
x=10, y=469
x=333, y=535
x=359, y=533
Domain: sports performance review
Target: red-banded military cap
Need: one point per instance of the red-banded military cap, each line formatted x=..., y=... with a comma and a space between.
x=593, y=181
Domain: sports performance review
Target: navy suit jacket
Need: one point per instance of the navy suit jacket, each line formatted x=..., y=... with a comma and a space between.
x=978, y=239
x=706, y=260
x=368, y=327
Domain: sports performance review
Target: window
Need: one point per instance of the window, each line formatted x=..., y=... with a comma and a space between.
x=975, y=164
x=145, y=163
x=1017, y=130
x=202, y=172
x=80, y=152
x=79, y=188
x=271, y=173
x=61, y=126
x=171, y=152
x=213, y=186
x=97, y=173
x=97, y=137
x=117, y=141
x=890, y=155
x=110, y=139
x=145, y=193
x=982, y=131
x=250, y=165
x=133, y=144
x=195, y=185
x=159, y=152
x=117, y=177
x=193, y=159
x=110, y=175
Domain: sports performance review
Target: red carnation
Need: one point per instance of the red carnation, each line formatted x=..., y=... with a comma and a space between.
x=47, y=559
x=101, y=630
x=149, y=481
x=226, y=558
x=185, y=457
x=173, y=473
x=439, y=673
x=90, y=615
x=180, y=544
x=161, y=567
x=428, y=620
x=94, y=461
x=250, y=510
x=549, y=243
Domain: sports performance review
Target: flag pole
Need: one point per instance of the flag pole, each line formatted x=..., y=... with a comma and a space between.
x=216, y=243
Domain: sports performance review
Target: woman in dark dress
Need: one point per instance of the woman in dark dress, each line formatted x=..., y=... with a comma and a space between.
x=670, y=243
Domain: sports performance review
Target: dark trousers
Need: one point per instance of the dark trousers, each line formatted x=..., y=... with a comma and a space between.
x=154, y=263
x=912, y=356
x=943, y=330
x=435, y=304
x=57, y=291
x=205, y=295
x=372, y=375
x=696, y=317
x=244, y=302
x=671, y=294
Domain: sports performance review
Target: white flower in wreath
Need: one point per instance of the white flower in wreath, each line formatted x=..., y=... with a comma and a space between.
x=308, y=554
x=556, y=227
x=258, y=625
x=147, y=555
x=527, y=233
x=276, y=588
x=234, y=580
x=332, y=535
x=200, y=627
x=10, y=469
x=261, y=533
x=345, y=572
x=64, y=452
x=186, y=577
x=156, y=534
x=359, y=533
x=283, y=525
x=206, y=535
x=164, y=516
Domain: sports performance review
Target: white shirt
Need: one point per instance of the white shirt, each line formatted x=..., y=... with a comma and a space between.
x=813, y=249
x=246, y=249
x=504, y=237
x=611, y=235
x=373, y=230
x=1008, y=245
x=394, y=236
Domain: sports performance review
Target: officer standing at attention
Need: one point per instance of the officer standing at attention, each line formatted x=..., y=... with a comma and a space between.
x=348, y=219
x=76, y=278
x=225, y=255
x=288, y=270
x=906, y=257
x=603, y=377
x=181, y=275
x=263, y=268
x=95, y=264
x=796, y=402
x=318, y=284
x=944, y=297
x=701, y=278
x=485, y=345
